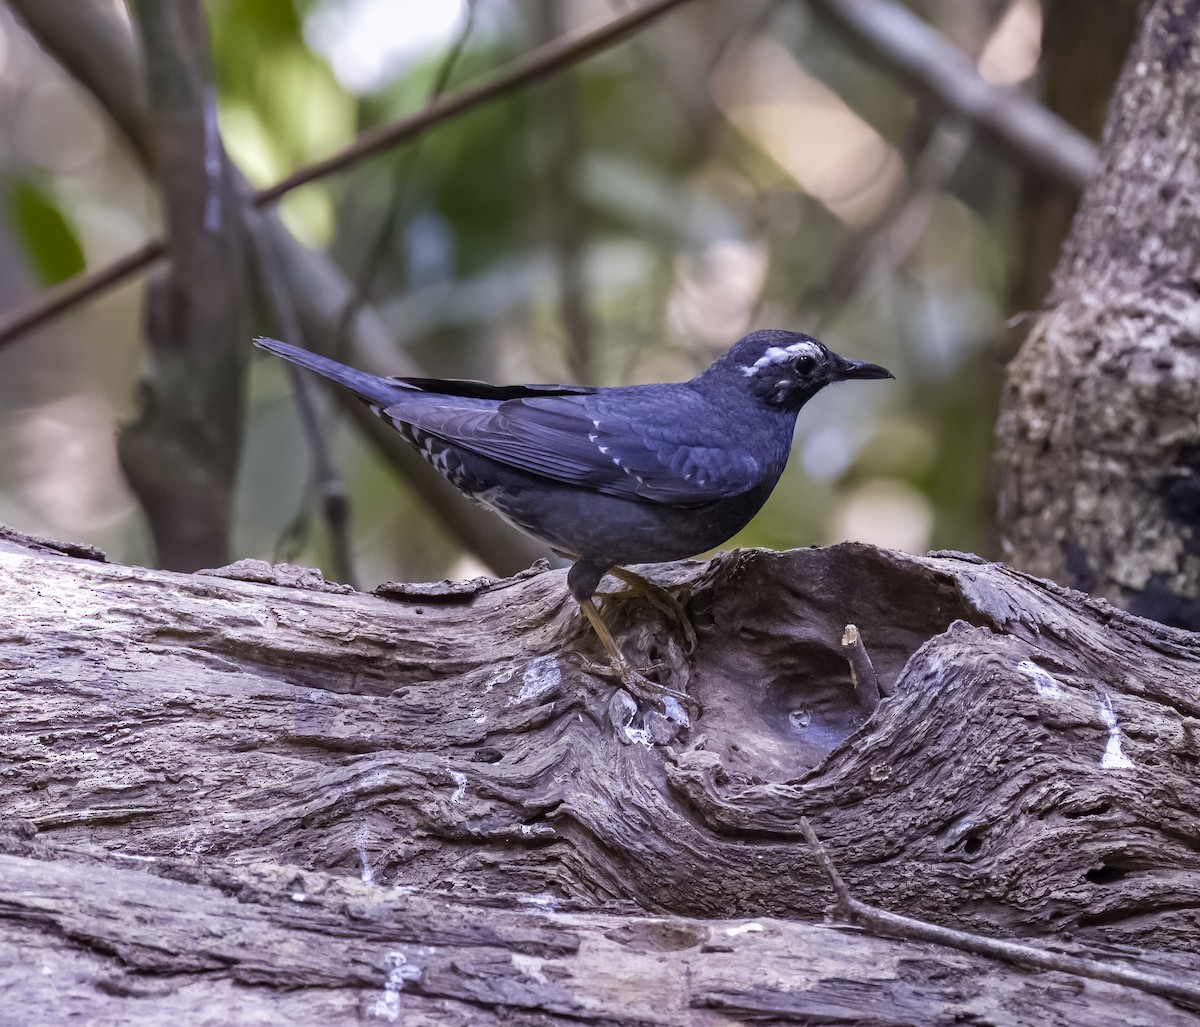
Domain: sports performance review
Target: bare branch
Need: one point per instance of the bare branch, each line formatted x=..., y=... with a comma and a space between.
x=48, y=304
x=536, y=65
x=335, y=501
x=930, y=64
x=897, y=926
x=400, y=192
x=555, y=145
x=103, y=59
x=319, y=289
x=862, y=672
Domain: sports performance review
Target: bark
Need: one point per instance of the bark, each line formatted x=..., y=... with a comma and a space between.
x=1082, y=53
x=1098, y=444
x=226, y=786
x=93, y=937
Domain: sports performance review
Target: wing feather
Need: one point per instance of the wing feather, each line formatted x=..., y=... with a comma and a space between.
x=634, y=446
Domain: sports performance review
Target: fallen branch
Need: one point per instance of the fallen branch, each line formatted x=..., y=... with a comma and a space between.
x=896, y=926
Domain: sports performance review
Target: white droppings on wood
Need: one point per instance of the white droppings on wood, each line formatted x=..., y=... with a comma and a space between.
x=1043, y=681
x=541, y=675
x=1113, y=758
x=542, y=900
x=675, y=712
x=501, y=677
x=367, y=875
x=638, y=736
x=530, y=966
x=400, y=972
x=751, y=928
x=622, y=710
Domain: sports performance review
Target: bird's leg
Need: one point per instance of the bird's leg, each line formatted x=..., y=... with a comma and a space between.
x=637, y=683
x=661, y=600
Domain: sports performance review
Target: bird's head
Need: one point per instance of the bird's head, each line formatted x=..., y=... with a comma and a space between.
x=786, y=369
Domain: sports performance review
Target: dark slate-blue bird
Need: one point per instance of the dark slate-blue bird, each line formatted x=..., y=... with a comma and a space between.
x=613, y=476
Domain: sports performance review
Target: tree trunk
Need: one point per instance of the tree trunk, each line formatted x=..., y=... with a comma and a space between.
x=1098, y=444
x=253, y=794
x=180, y=454
x=1083, y=48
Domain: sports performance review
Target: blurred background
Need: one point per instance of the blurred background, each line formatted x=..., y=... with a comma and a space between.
x=737, y=164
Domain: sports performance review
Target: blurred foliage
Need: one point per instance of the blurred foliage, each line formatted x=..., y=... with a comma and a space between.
x=38, y=223
x=696, y=225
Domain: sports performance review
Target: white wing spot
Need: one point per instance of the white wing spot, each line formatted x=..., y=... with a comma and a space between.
x=594, y=439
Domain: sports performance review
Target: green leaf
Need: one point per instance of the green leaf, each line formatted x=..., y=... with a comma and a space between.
x=48, y=238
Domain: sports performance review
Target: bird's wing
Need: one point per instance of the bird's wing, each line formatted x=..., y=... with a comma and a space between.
x=650, y=448
x=468, y=389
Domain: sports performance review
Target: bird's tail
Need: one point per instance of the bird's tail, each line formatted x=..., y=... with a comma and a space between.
x=379, y=391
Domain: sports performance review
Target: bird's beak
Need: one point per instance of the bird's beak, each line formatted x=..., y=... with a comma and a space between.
x=860, y=369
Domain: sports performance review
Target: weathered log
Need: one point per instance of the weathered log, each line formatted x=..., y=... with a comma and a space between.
x=1031, y=771
x=274, y=945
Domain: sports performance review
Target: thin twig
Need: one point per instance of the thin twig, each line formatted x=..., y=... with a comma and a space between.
x=331, y=489
x=554, y=142
x=928, y=62
x=537, y=64
x=62, y=297
x=400, y=193
x=910, y=929
x=862, y=671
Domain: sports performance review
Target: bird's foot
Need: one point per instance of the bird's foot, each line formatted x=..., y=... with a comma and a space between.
x=618, y=667
x=661, y=600
x=638, y=685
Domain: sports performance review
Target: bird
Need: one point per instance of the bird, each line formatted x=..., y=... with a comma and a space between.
x=618, y=475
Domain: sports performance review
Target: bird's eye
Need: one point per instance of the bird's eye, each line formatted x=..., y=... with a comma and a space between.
x=805, y=363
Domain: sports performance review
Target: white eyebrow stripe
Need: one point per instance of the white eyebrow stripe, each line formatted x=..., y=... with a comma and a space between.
x=781, y=355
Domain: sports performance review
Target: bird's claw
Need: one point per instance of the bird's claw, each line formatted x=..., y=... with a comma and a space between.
x=640, y=686
x=663, y=601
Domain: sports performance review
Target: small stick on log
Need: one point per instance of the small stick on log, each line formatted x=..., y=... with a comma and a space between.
x=896, y=926
x=862, y=671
